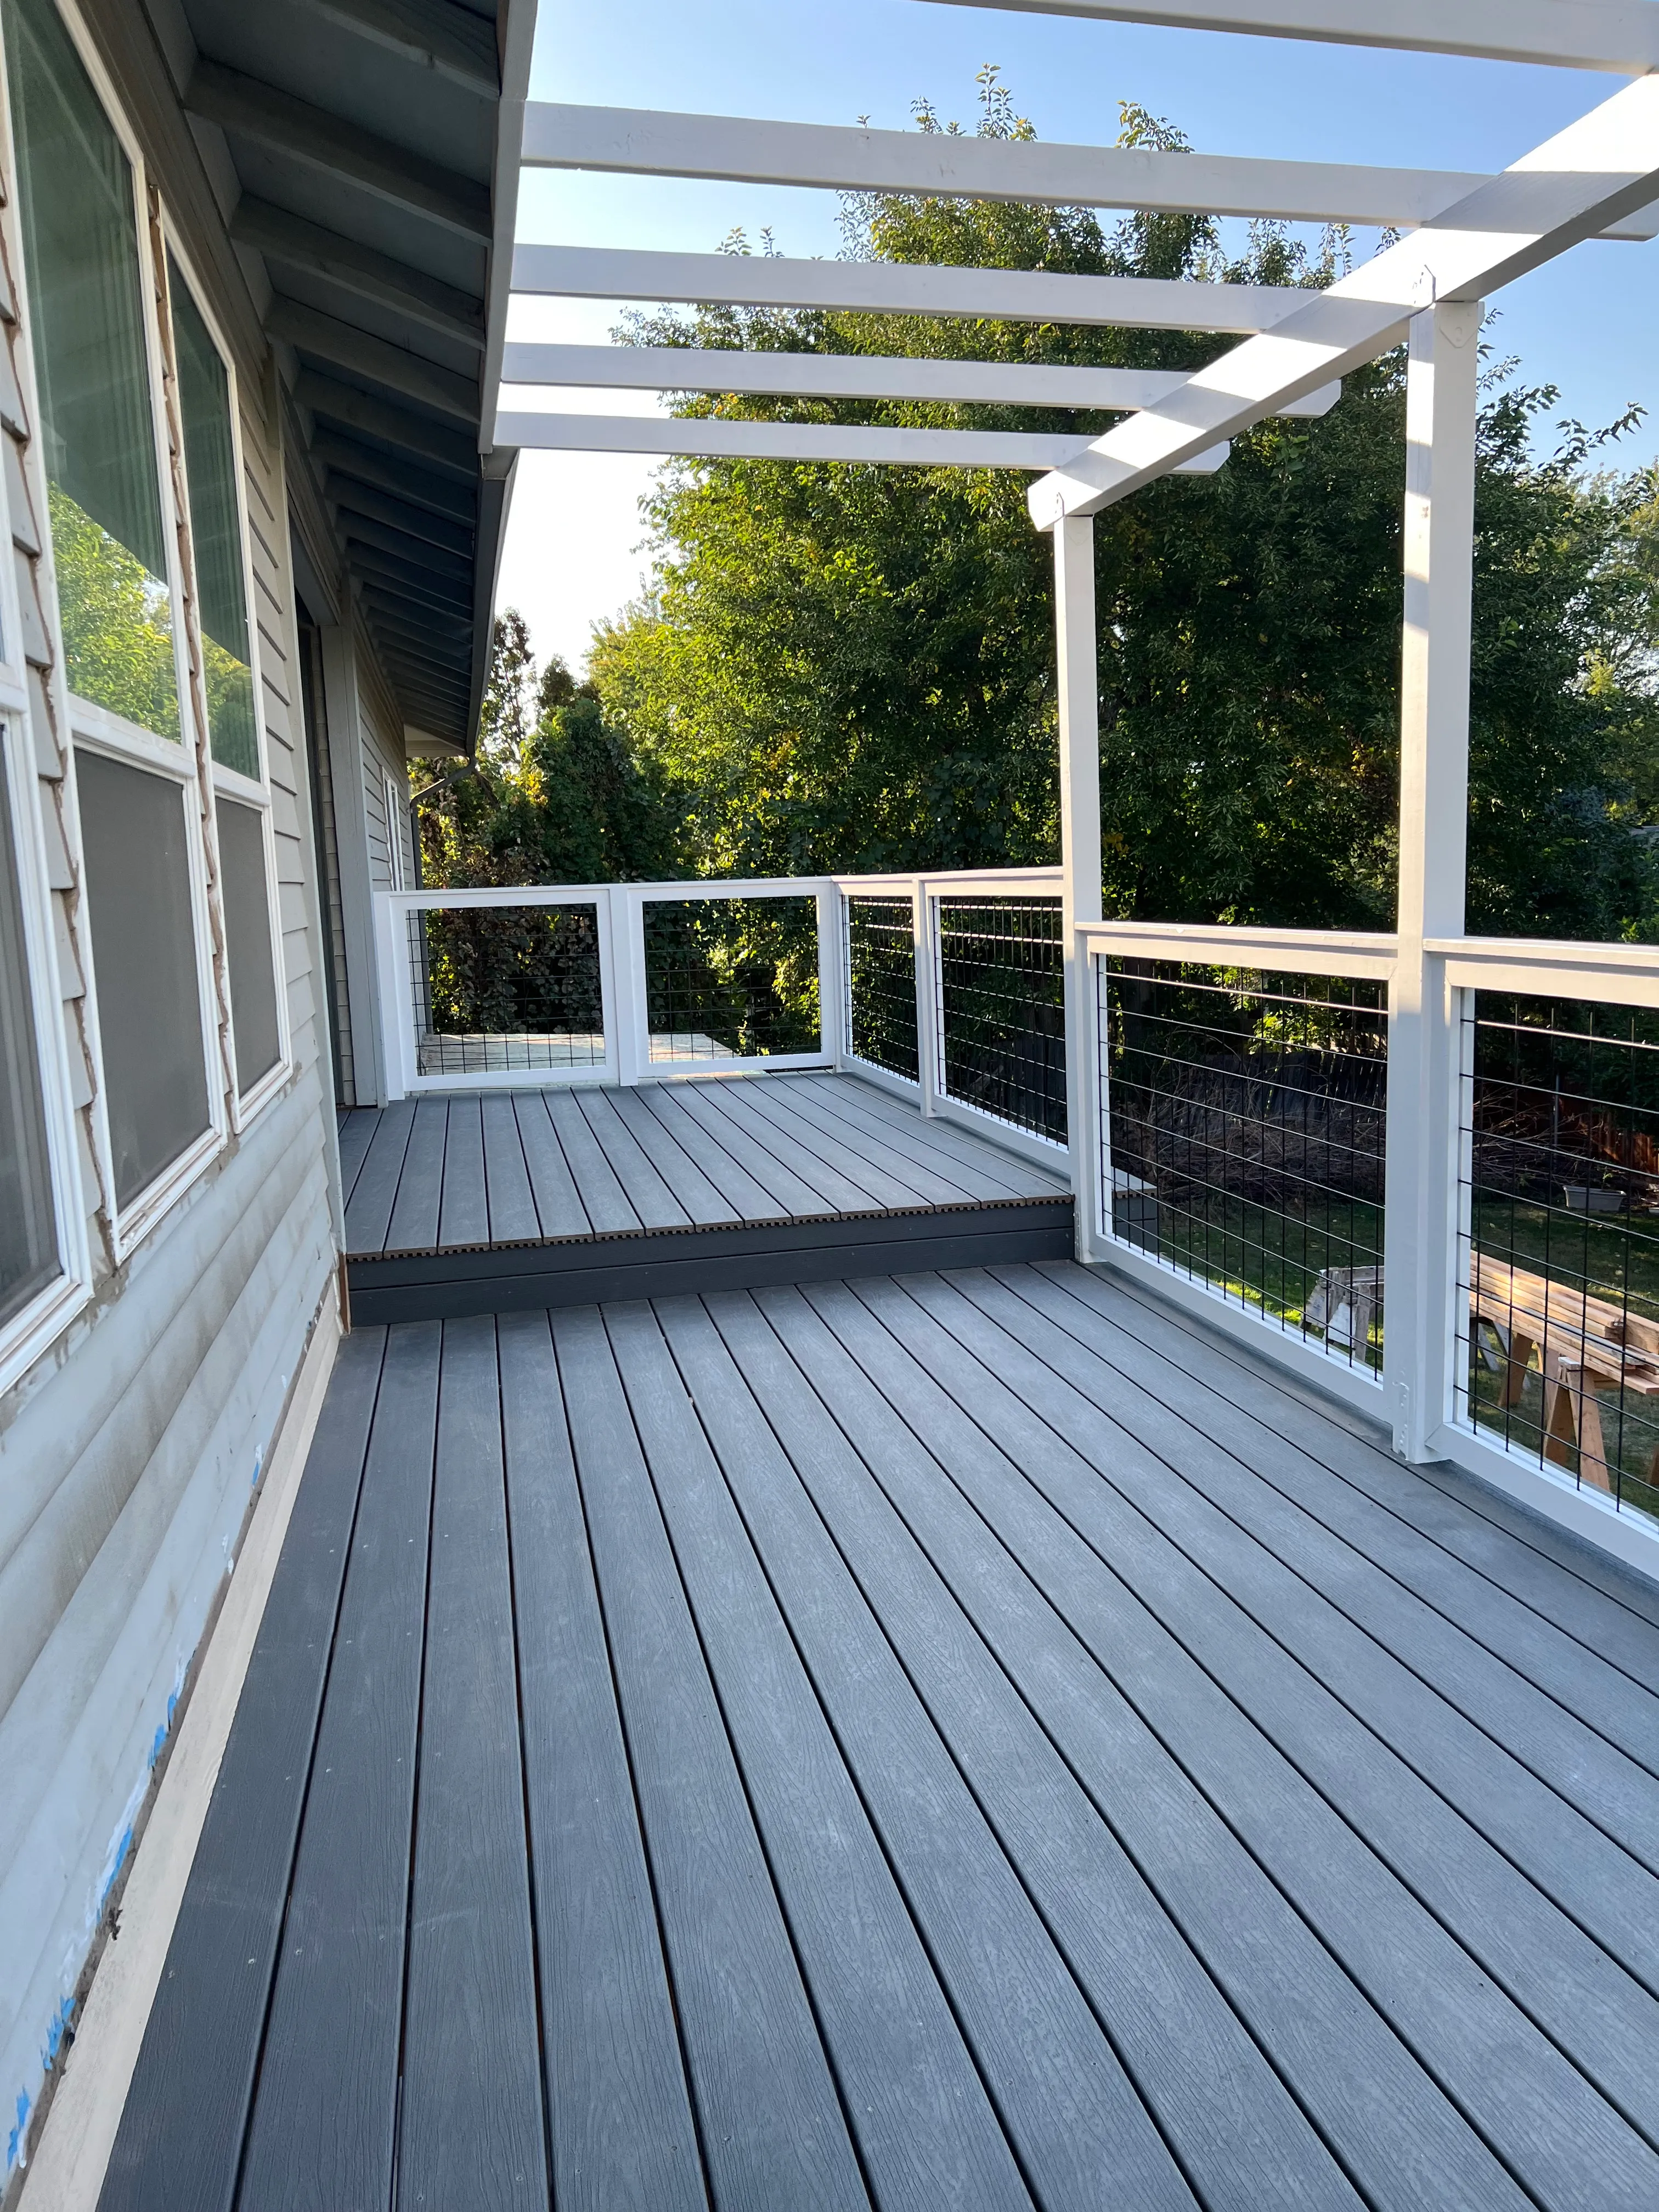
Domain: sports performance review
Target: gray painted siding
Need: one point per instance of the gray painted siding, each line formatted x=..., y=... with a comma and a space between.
x=129, y=1453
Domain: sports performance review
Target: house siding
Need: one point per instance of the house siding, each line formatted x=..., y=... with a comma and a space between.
x=130, y=1452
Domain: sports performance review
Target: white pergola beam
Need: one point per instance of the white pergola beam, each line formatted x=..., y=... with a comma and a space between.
x=853, y=376
x=1595, y=171
x=1621, y=36
x=717, y=438
x=901, y=288
x=737, y=149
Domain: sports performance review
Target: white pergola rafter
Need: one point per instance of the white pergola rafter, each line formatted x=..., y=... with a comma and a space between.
x=854, y=376
x=1567, y=189
x=901, y=288
x=1618, y=36
x=737, y=150
x=719, y=437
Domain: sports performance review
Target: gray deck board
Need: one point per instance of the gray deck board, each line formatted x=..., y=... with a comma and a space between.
x=1183, y=1623
x=822, y=1164
x=889, y=1181
x=463, y=1213
x=1531, y=1645
x=373, y=1193
x=559, y=1208
x=749, y=1200
x=604, y=1201
x=472, y=2127
x=619, y=2112
x=355, y=1129
x=1478, y=1730
x=784, y=1186
x=977, y=1808
x=182, y=2132
x=414, y=1224
x=332, y=2043
x=1586, y=1595
x=922, y=1168
x=926, y=2130
x=1395, y=2136
x=512, y=1204
x=773, y=2132
x=968, y=1740
x=652, y=1199
x=986, y=1169
x=707, y=1206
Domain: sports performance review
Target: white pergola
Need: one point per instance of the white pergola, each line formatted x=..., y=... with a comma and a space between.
x=1463, y=237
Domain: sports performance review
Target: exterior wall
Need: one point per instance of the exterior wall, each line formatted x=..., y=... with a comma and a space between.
x=131, y=1449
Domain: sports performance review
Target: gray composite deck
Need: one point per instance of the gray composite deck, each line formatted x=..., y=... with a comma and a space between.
x=974, y=1741
x=465, y=1203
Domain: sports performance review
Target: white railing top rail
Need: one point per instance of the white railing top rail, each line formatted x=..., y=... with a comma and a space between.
x=1012, y=882
x=1221, y=945
x=1619, y=975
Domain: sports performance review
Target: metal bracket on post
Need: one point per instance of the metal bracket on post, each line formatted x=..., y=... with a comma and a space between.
x=1079, y=829
x=1425, y=1068
x=929, y=1074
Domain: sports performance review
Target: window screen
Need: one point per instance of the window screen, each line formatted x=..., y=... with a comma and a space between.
x=248, y=938
x=28, y=1244
x=143, y=950
x=81, y=251
x=216, y=531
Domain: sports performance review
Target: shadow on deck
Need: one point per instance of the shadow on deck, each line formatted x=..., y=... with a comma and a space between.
x=979, y=1743
x=464, y=1204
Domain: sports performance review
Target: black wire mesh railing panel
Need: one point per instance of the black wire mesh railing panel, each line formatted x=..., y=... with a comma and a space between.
x=501, y=988
x=1001, y=1032
x=732, y=979
x=1243, y=1143
x=1557, y=1291
x=881, y=984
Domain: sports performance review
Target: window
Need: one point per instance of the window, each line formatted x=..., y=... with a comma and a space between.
x=216, y=531
x=137, y=857
x=247, y=896
x=98, y=425
x=29, y=1240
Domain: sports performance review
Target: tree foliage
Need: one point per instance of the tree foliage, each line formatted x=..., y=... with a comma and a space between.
x=853, y=667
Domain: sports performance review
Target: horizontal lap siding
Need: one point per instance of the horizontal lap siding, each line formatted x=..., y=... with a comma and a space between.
x=131, y=1452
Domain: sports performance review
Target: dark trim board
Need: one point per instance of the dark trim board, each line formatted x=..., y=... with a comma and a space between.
x=662, y=1263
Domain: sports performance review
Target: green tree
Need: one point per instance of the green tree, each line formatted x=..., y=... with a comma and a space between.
x=852, y=667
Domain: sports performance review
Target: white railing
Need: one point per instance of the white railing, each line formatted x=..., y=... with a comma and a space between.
x=1531, y=1356
x=624, y=1017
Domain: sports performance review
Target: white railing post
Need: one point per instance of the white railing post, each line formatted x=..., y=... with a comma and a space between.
x=1079, y=699
x=1420, y=1250
x=930, y=1076
x=833, y=952
x=628, y=1011
x=399, y=1053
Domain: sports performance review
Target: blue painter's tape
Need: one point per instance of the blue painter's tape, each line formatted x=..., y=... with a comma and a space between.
x=14, y=2141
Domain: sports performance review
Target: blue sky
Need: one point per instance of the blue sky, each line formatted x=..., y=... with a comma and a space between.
x=1589, y=323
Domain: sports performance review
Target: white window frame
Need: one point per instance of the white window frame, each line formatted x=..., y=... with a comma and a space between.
x=101, y=730
x=229, y=782
x=32, y=1328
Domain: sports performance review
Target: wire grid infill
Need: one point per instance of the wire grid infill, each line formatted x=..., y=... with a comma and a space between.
x=732, y=978
x=1245, y=1137
x=498, y=989
x=1001, y=1010
x=881, y=984
x=1558, y=1279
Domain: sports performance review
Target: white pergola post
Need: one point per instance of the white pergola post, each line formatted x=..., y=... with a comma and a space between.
x=1078, y=694
x=1418, y=1336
